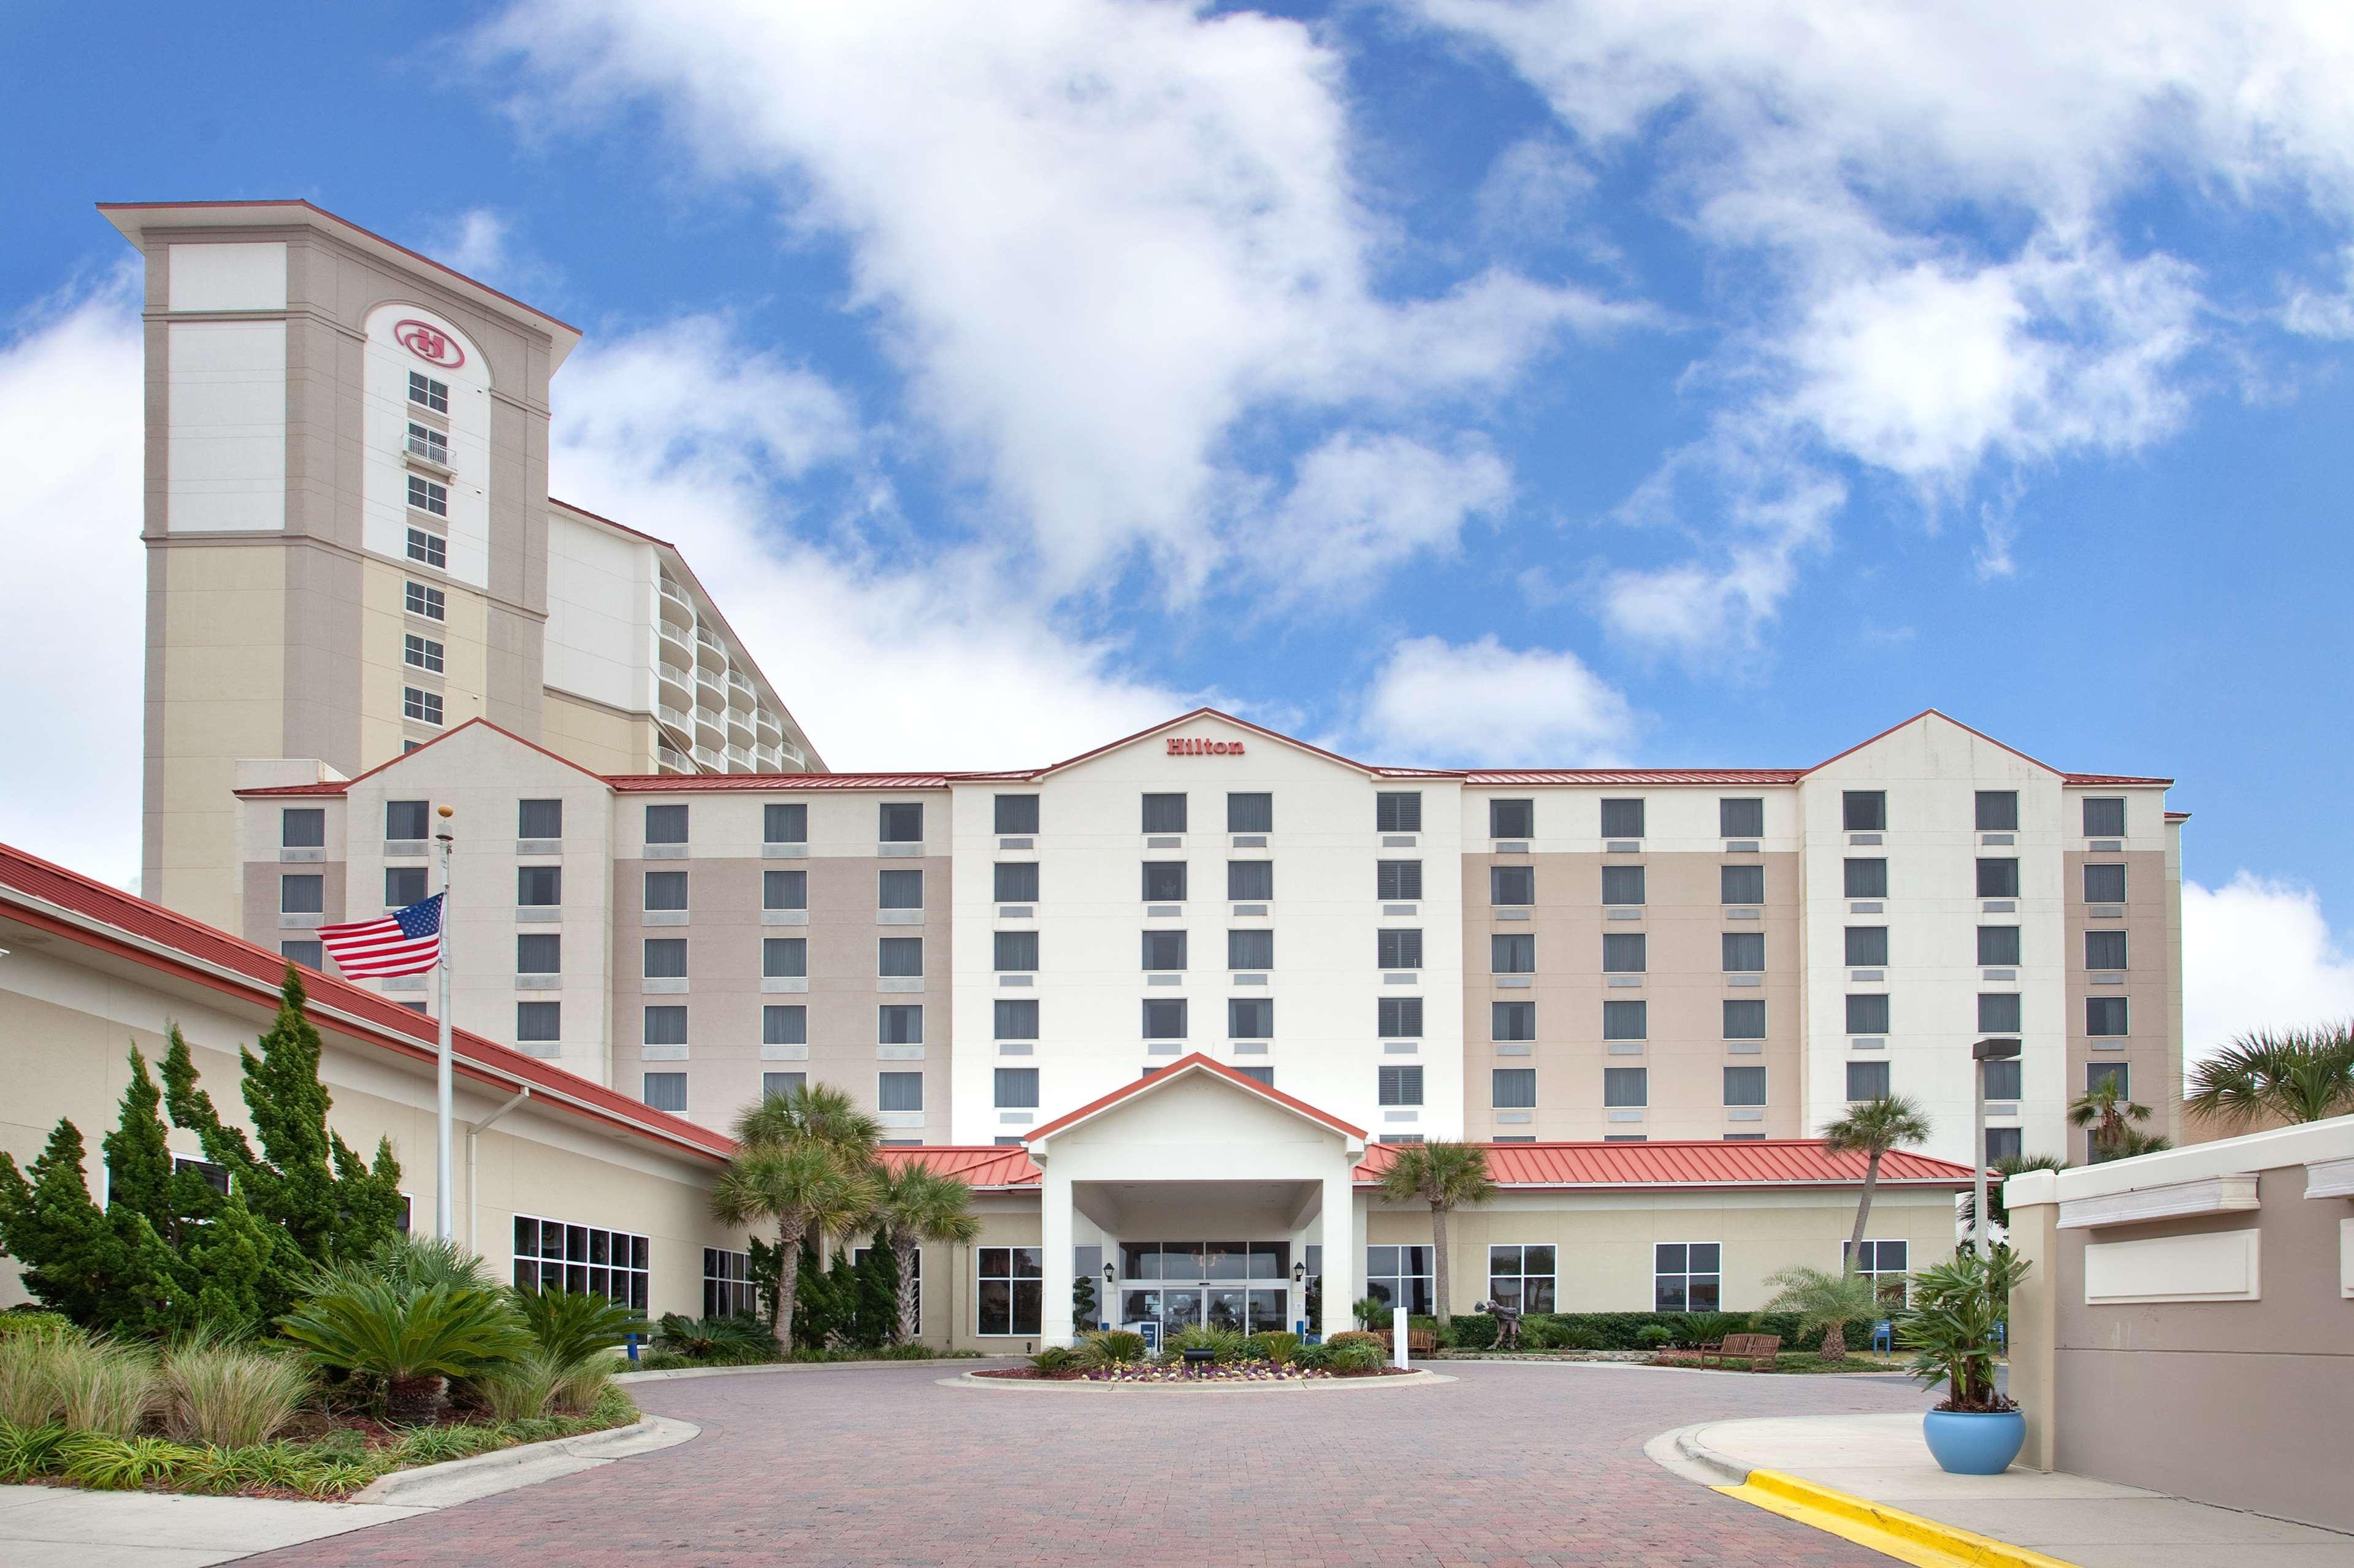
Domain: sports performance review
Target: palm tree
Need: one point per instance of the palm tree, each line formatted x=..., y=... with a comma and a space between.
x=1442, y=1175
x=915, y=1205
x=2009, y=1165
x=807, y=1164
x=1826, y=1301
x=2297, y=1075
x=2111, y=1114
x=1872, y=1128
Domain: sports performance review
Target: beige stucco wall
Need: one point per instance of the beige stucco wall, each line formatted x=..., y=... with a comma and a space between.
x=2152, y=1048
x=601, y=739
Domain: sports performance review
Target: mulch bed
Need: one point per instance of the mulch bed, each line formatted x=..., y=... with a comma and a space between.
x=1173, y=1377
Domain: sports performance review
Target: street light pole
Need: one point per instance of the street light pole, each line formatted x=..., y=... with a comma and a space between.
x=1982, y=1053
x=444, y=1207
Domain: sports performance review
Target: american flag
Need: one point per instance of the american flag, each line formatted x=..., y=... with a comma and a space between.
x=405, y=942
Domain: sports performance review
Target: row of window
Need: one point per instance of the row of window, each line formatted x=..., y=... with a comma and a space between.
x=1866, y=877
x=1998, y=1013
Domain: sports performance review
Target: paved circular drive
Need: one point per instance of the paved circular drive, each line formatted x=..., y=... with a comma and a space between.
x=1508, y=1466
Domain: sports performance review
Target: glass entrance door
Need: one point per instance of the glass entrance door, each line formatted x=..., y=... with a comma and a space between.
x=1242, y=1287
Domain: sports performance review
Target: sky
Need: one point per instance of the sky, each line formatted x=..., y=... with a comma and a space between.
x=1445, y=381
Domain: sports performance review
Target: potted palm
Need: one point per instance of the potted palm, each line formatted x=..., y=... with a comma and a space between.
x=1955, y=1330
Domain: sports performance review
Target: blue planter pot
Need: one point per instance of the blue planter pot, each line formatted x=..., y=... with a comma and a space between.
x=1968, y=1443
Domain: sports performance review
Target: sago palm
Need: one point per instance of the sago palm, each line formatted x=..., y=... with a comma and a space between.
x=1824, y=1300
x=2111, y=1113
x=1446, y=1176
x=1872, y=1128
x=412, y=1339
x=802, y=1189
x=915, y=1205
x=2294, y=1076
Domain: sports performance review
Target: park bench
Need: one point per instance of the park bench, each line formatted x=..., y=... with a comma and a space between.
x=1757, y=1349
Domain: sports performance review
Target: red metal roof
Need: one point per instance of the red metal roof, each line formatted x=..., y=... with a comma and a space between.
x=1769, y=1162
x=1632, y=776
x=338, y=786
x=770, y=783
x=976, y=1167
x=1195, y=1062
x=200, y=951
x=2109, y=779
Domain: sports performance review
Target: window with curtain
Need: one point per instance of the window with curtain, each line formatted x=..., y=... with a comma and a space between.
x=1016, y=1020
x=1622, y=884
x=1250, y=881
x=1164, y=882
x=666, y=957
x=1998, y=1013
x=1250, y=812
x=1745, y=1019
x=1512, y=886
x=666, y=824
x=1741, y=884
x=1165, y=813
x=784, y=958
x=2104, y=885
x=784, y=822
x=1997, y=811
x=1016, y=813
x=1626, y=1087
x=1741, y=817
x=1511, y=819
x=899, y=890
x=1164, y=949
x=1250, y=1018
x=1999, y=943
x=1867, y=947
x=1400, y=1017
x=1863, y=810
x=1622, y=819
x=1512, y=953
x=901, y=822
x=784, y=890
x=1399, y=879
x=899, y=957
x=2105, y=817
x=1398, y=811
x=1398, y=949
x=1164, y=1018
x=1513, y=1088
x=1513, y=1021
x=1866, y=877
x=1744, y=1085
x=1625, y=1021
x=784, y=1023
x=1622, y=953
x=1250, y=949
x=1015, y=882
x=1745, y=951
x=2104, y=950
x=1867, y=1081
x=1867, y=1014
x=1998, y=876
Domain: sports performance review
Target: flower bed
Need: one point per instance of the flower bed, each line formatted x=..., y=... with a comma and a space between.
x=1244, y=1372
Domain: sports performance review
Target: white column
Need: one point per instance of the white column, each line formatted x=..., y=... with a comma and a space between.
x=1055, y=1237
x=1343, y=1255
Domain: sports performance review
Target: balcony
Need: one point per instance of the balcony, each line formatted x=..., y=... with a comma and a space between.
x=739, y=759
x=432, y=453
x=677, y=610
x=740, y=693
x=677, y=684
x=710, y=727
x=713, y=760
x=671, y=759
x=794, y=756
x=771, y=727
x=678, y=720
x=767, y=759
x=710, y=654
x=739, y=726
x=675, y=648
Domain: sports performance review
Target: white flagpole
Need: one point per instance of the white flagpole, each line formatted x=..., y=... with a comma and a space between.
x=444, y=1210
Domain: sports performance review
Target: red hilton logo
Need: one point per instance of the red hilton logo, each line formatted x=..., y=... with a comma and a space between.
x=1181, y=745
x=430, y=343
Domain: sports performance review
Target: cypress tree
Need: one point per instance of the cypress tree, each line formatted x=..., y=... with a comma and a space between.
x=876, y=1283
x=103, y=1270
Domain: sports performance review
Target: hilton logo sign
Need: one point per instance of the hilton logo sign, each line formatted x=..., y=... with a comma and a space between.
x=430, y=343
x=1182, y=745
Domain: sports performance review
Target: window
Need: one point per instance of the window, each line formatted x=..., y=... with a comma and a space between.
x=1998, y=877
x=2100, y=1075
x=1164, y=949
x=1400, y=1275
x=1741, y=884
x=428, y=497
x=1883, y=1263
x=1015, y=950
x=1398, y=811
x=1250, y=814
x=2105, y=818
x=665, y=1025
x=1164, y=1018
x=1520, y=1277
x=552, y=1256
x=1867, y=1014
x=1741, y=817
x=1684, y=1276
x=1745, y=1019
x=1622, y=884
x=728, y=1288
x=1399, y=1017
x=1398, y=950
x=1997, y=811
x=2003, y=1079
x=1512, y=954
x=1400, y=879
x=539, y=955
x=2104, y=1015
x=1399, y=1084
x=782, y=1082
x=666, y=824
x=1165, y=813
x=1512, y=886
x=1511, y=819
x=1625, y=1021
x=899, y=890
x=784, y=822
x=1997, y=944
x=1512, y=1021
x=1998, y=1013
x=1164, y=882
x=1009, y=1293
x=1250, y=1018
x=1863, y=810
x=1017, y=1020
x=787, y=889
x=1257, y=1075
x=1622, y=819
x=302, y=892
x=1867, y=947
x=1016, y=814
x=538, y=1021
x=430, y=549
x=1867, y=877
x=1745, y=951
x=2003, y=1143
x=898, y=1091
x=899, y=957
x=1744, y=1085
x=1513, y=1088
x=406, y=820
x=1626, y=1087
x=784, y=1023
x=1016, y=881
x=1867, y=1081
x=2104, y=885
x=1250, y=881
x=418, y=703
x=666, y=1092
x=1017, y=1088
x=898, y=1023
x=1256, y=950
x=310, y=955
x=539, y=886
x=665, y=890
x=539, y=819
x=2104, y=950
x=428, y=393
x=426, y=601
x=1622, y=953
x=420, y=652
x=302, y=827
x=429, y=443
x=902, y=822
x=784, y=958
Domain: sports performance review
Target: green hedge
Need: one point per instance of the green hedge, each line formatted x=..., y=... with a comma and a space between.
x=1622, y=1331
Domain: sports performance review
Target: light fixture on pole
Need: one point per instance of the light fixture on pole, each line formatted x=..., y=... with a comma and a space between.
x=444, y=1207
x=1985, y=1051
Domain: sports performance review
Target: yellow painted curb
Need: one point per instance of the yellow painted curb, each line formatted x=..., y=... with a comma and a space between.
x=1907, y=1537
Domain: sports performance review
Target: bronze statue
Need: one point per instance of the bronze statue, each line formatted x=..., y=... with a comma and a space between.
x=1507, y=1324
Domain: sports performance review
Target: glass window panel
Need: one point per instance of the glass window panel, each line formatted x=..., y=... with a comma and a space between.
x=1017, y=813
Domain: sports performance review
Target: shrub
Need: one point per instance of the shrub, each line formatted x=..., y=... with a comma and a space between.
x=1553, y=1333
x=18, y=1324
x=1358, y=1336
x=1472, y=1330
x=1700, y=1328
x=1112, y=1347
x=1056, y=1359
x=1356, y=1356
x=30, y=1451
x=1654, y=1336
x=412, y=1339
x=1369, y=1310
x=1223, y=1343
x=716, y=1341
x=572, y=1328
x=116, y=1464
x=1278, y=1345
x=102, y=1385
x=228, y=1395
x=521, y=1390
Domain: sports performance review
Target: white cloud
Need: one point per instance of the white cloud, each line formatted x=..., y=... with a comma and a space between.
x=1361, y=506
x=73, y=599
x=2258, y=954
x=476, y=244
x=1482, y=703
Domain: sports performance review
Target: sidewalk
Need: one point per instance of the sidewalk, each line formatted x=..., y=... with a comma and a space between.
x=1881, y=1463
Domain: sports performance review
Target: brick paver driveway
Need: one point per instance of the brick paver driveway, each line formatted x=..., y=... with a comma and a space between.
x=1510, y=1466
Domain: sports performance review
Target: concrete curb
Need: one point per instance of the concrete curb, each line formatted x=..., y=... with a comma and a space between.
x=1314, y=1386
x=665, y=1373
x=487, y=1475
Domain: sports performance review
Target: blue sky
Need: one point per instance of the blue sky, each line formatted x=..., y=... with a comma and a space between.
x=1446, y=380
